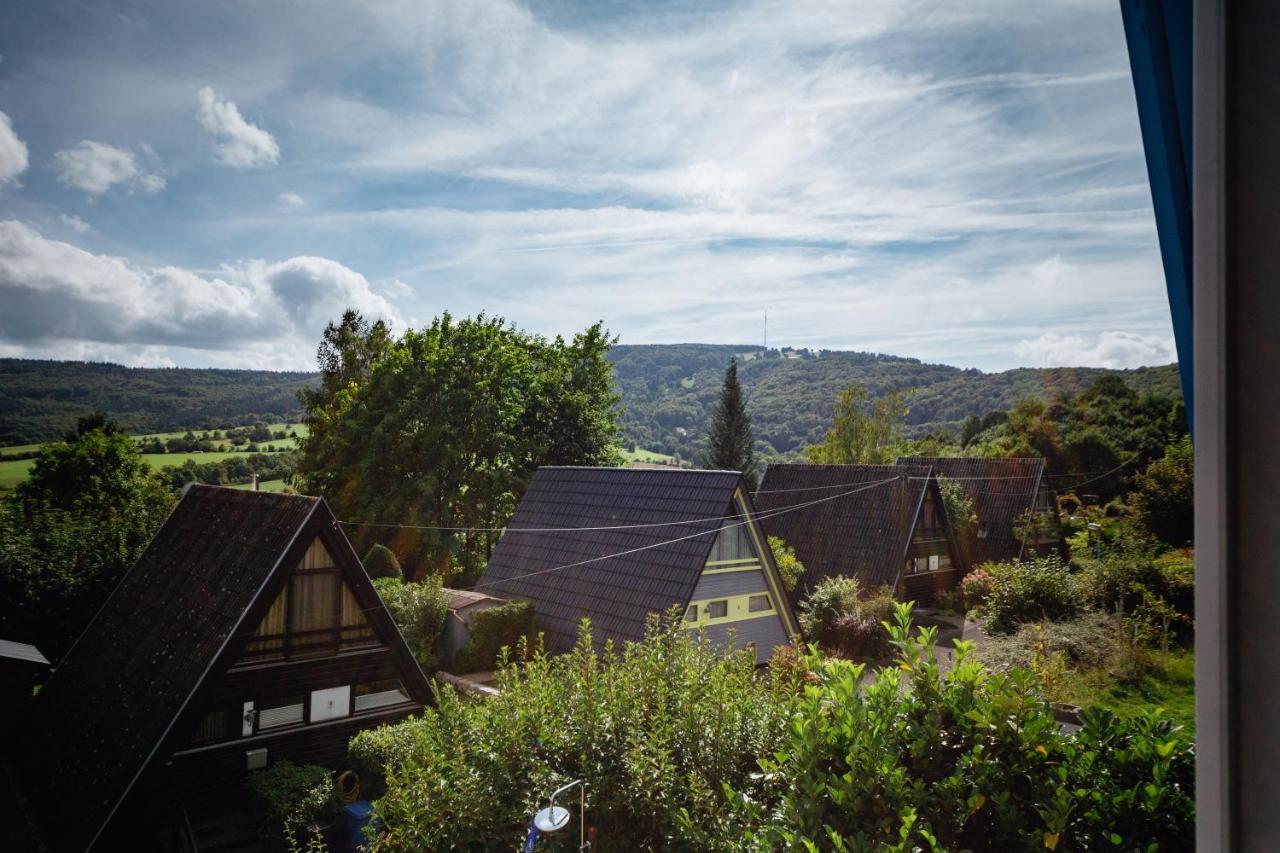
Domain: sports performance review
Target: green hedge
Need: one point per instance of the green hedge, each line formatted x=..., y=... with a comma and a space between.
x=286, y=799
x=381, y=562
x=491, y=630
x=419, y=609
x=687, y=747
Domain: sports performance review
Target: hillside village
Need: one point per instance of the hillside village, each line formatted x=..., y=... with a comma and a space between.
x=459, y=602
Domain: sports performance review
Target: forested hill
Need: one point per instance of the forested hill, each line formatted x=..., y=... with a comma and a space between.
x=667, y=391
x=40, y=400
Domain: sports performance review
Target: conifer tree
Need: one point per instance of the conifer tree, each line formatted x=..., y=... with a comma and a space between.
x=730, y=445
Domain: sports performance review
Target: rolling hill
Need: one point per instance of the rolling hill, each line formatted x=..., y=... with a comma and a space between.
x=667, y=393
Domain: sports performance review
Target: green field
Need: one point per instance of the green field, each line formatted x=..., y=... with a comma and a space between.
x=287, y=443
x=14, y=471
x=638, y=454
x=264, y=486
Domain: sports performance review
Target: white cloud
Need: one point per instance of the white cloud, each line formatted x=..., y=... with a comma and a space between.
x=96, y=167
x=75, y=223
x=1108, y=349
x=13, y=152
x=241, y=145
x=55, y=292
x=291, y=201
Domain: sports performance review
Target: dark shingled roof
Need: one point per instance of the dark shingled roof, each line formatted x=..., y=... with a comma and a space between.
x=999, y=502
x=618, y=593
x=865, y=534
x=108, y=706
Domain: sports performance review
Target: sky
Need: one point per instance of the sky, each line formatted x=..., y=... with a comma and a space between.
x=208, y=184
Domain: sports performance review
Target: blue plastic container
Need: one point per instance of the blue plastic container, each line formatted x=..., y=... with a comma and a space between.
x=357, y=815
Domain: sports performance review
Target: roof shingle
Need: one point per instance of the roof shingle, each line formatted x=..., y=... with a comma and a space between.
x=863, y=534
x=563, y=572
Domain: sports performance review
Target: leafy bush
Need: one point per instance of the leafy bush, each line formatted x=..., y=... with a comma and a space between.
x=844, y=618
x=878, y=606
x=656, y=730
x=832, y=597
x=967, y=760
x=975, y=587
x=789, y=565
x=858, y=637
x=419, y=609
x=286, y=799
x=381, y=562
x=1030, y=591
x=1122, y=579
x=492, y=630
x=1165, y=496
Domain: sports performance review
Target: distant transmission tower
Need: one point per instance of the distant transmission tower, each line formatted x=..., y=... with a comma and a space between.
x=766, y=328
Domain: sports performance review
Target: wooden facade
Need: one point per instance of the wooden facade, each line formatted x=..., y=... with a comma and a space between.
x=287, y=652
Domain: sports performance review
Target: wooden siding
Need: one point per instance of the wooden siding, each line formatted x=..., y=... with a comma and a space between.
x=766, y=634
x=269, y=684
x=922, y=587
x=730, y=583
x=214, y=776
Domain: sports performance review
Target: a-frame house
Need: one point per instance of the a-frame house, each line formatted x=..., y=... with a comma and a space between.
x=248, y=632
x=884, y=524
x=616, y=544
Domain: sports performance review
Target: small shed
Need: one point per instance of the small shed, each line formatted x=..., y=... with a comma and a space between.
x=22, y=667
x=463, y=605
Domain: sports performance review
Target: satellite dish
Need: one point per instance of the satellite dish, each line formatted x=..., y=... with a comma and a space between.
x=552, y=819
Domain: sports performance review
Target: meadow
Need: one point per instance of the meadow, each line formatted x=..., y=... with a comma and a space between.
x=14, y=471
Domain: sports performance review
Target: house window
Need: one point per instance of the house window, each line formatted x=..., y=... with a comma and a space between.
x=732, y=543
x=315, y=614
x=982, y=532
x=691, y=613
x=759, y=604
x=212, y=726
x=281, y=715
x=379, y=694
x=717, y=609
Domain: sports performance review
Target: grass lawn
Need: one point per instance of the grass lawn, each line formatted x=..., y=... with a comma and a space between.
x=637, y=454
x=13, y=472
x=1169, y=684
x=264, y=486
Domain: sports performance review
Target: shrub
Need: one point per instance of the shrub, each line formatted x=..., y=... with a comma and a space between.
x=492, y=630
x=975, y=587
x=1165, y=496
x=1030, y=591
x=858, y=637
x=656, y=730
x=381, y=562
x=878, y=606
x=832, y=597
x=419, y=609
x=789, y=565
x=916, y=759
x=286, y=799
x=1123, y=579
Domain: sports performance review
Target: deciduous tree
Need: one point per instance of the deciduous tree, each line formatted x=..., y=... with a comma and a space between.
x=445, y=430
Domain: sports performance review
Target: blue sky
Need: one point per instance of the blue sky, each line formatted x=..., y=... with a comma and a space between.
x=207, y=184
